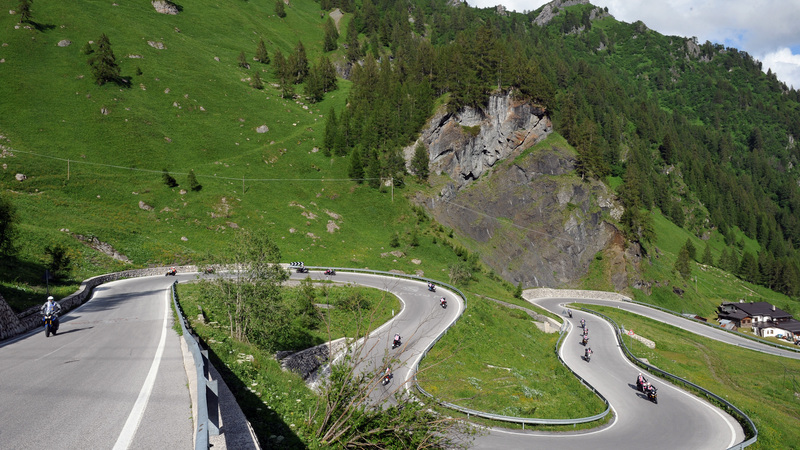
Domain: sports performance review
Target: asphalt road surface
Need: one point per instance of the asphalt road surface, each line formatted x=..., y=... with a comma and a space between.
x=113, y=376
x=690, y=325
x=419, y=321
x=679, y=420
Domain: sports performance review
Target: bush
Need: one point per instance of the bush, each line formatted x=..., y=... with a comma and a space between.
x=60, y=259
x=193, y=183
x=460, y=272
x=169, y=180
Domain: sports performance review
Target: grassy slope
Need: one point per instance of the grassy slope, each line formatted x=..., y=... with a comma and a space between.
x=54, y=109
x=495, y=359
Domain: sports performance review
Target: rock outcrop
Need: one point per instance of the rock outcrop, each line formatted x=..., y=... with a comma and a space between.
x=534, y=221
x=465, y=145
x=165, y=7
x=531, y=218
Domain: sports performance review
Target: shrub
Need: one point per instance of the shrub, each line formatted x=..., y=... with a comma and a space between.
x=169, y=180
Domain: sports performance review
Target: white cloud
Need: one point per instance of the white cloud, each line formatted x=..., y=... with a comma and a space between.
x=785, y=65
x=765, y=29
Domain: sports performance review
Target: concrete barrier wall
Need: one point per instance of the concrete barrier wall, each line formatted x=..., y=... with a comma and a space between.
x=14, y=324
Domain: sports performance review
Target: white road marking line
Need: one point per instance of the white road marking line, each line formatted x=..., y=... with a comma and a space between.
x=132, y=424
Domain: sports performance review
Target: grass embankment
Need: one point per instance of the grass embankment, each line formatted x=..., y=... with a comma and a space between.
x=496, y=360
x=276, y=402
x=765, y=387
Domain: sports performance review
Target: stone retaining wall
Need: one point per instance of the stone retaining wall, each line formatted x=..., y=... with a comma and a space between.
x=14, y=324
x=533, y=294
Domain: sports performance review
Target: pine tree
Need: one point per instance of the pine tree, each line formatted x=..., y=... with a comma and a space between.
x=373, y=170
x=24, y=10
x=104, y=63
x=313, y=88
x=353, y=46
x=748, y=268
x=330, y=42
x=420, y=162
x=690, y=248
x=682, y=265
x=707, y=258
x=331, y=130
x=243, y=61
x=282, y=73
x=356, y=171
x=261, y=53
x=280, y=10
x=193, y=183
x=257, y=82
x=298, y=63
x=327, y=74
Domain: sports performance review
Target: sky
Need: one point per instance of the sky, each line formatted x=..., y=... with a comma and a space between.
x=769, y=30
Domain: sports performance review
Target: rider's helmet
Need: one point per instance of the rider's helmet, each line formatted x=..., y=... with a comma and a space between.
x=49, y=298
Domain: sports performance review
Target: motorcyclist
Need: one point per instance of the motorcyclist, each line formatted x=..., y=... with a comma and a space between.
x=640, y=381
x=569, y=312
x=583, y=323
x=588, y=352
x=50, y=306
x=396, y=340
x=430, y=286
x=442, y=301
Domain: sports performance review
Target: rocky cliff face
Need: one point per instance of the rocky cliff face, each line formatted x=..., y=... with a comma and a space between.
x=531, y=218
x=467, y=144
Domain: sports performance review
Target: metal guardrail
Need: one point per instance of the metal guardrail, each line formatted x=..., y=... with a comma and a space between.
x=471, y=412
x=207, y=391
x=749, y=425
x=736, y=333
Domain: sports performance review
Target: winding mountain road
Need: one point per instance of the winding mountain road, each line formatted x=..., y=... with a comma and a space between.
x=114, y=375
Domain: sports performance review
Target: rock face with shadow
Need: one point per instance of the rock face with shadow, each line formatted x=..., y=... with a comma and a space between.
x=466, y=144
x=524, y=209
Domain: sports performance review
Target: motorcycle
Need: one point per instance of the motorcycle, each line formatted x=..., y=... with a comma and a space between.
x=396, y=343
x=588, y=356
x=569, y=311
x=330, y=272
x=386, y=379
x=652, y=395
x=171, y=272
x=432, y=288
x=50, y=321
x=583, y=323
x=585, y=340
x=640, y=384
x=443, y=303
x=302, y=270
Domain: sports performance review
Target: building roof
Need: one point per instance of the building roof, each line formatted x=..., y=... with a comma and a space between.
x=735, y=315
x=762, y=309
x=790, y=325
